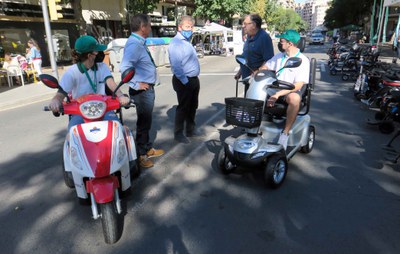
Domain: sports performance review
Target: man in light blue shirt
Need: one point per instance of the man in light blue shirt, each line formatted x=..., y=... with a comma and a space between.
x=186, y=69
x=137, y=55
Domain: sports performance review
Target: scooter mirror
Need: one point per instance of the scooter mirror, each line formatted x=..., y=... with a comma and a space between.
x=293, y=62
x=127, y=75
x=241, y=59
x=49, y=81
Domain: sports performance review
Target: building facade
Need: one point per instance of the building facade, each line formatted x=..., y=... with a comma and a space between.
x=21, y=20
x=313, y=12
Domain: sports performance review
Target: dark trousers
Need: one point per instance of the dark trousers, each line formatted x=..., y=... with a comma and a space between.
x=188, y=102
x=144, y=102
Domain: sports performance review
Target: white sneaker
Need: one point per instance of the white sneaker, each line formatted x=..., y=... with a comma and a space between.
x=283, y=140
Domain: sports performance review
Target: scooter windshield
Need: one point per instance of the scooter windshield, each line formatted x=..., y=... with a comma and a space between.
x=264, y=74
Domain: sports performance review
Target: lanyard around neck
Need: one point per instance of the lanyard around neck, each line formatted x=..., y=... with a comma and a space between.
x=283, y=62
x=147, y=49
x=92, y=84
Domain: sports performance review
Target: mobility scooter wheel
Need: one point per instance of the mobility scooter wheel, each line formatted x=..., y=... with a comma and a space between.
x=224, y=164
x=275, y=171
x=68, y=179
x=379, y=116
x=386, y=127
x=310, y=141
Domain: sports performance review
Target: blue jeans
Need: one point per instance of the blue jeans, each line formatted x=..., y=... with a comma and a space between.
x=144, y=101
x=77, y=119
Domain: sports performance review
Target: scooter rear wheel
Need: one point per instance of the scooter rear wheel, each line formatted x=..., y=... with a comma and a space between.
x=275, y=171
x=310, y=141
x=135, y=169
x=109, y=220
x=224, y=164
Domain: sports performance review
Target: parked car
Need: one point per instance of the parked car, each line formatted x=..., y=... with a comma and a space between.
x=317, y=38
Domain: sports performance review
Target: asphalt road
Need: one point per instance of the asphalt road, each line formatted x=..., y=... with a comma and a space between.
x=343, y=197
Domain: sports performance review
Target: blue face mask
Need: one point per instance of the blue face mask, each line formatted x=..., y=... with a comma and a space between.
x=187, y=34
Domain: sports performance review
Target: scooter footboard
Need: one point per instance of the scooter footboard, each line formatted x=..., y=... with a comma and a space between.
x=102, y=188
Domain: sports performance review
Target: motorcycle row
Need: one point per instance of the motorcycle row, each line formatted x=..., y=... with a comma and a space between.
x=377, y=83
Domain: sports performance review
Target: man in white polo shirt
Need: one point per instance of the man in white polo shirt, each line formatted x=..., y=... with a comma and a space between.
x=297, y=76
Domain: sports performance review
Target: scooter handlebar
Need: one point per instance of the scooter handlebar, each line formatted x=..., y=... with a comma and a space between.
x=56, y=114
x=280, y=84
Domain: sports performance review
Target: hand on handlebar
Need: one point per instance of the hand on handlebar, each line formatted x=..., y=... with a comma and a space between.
x=271, y=100
x=124, y=100
x=238, y=75
x=55, y=105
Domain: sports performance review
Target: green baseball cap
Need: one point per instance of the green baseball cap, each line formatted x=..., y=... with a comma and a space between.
x=87, y=44
x=290, y=35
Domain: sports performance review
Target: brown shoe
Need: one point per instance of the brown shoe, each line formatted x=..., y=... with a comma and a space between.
x=154, y=152
x=145, y=162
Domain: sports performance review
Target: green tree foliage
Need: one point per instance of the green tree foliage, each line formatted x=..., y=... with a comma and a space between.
x=220, y=9
x=284, y=19
x=276, y=17
x=141, y=6
x=346, y=12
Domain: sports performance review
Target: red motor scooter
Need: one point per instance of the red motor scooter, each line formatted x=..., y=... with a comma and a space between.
x=99, y=156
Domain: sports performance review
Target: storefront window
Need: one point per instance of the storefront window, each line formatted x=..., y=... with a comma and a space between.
x=13, y=41
x=61, y=45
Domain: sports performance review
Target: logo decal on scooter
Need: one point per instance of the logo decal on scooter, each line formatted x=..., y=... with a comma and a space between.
x=95, y=129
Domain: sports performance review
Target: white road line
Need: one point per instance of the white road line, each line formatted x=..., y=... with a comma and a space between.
x=158, y=188
x=206, y=74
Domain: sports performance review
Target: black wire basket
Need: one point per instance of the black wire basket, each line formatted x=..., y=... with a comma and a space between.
x=244, y=112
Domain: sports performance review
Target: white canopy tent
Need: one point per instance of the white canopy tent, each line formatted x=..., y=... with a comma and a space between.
x=227, y=33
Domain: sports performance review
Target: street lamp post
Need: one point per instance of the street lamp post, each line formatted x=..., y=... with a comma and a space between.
x=49, y=37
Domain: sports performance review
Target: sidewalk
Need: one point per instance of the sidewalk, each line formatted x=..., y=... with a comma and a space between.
x=18, y=96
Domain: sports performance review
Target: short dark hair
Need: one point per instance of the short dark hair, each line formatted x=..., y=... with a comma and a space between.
x=138, y=20
x=256, y=19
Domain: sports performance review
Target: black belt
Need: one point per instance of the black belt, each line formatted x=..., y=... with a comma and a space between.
x=135, y=92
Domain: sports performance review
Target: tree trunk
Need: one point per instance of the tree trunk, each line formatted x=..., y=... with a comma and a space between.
x=76, y=5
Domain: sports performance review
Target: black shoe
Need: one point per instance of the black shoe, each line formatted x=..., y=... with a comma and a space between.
x=179, y=137
x=194, y=133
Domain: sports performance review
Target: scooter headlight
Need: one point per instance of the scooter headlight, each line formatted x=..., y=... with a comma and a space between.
x=76, y=161
x=258, y=155
x=121, y=151
x=93, y=109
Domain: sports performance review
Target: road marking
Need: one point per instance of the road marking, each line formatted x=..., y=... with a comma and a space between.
x=206, y=74
x=158, y=188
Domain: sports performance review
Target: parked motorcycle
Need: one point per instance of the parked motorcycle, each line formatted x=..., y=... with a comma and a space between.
x=99, y=156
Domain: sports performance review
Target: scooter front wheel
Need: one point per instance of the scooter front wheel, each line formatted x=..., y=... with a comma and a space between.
x=109, y=220
x=224, y=164
x=310, y=141
x=275, y=170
